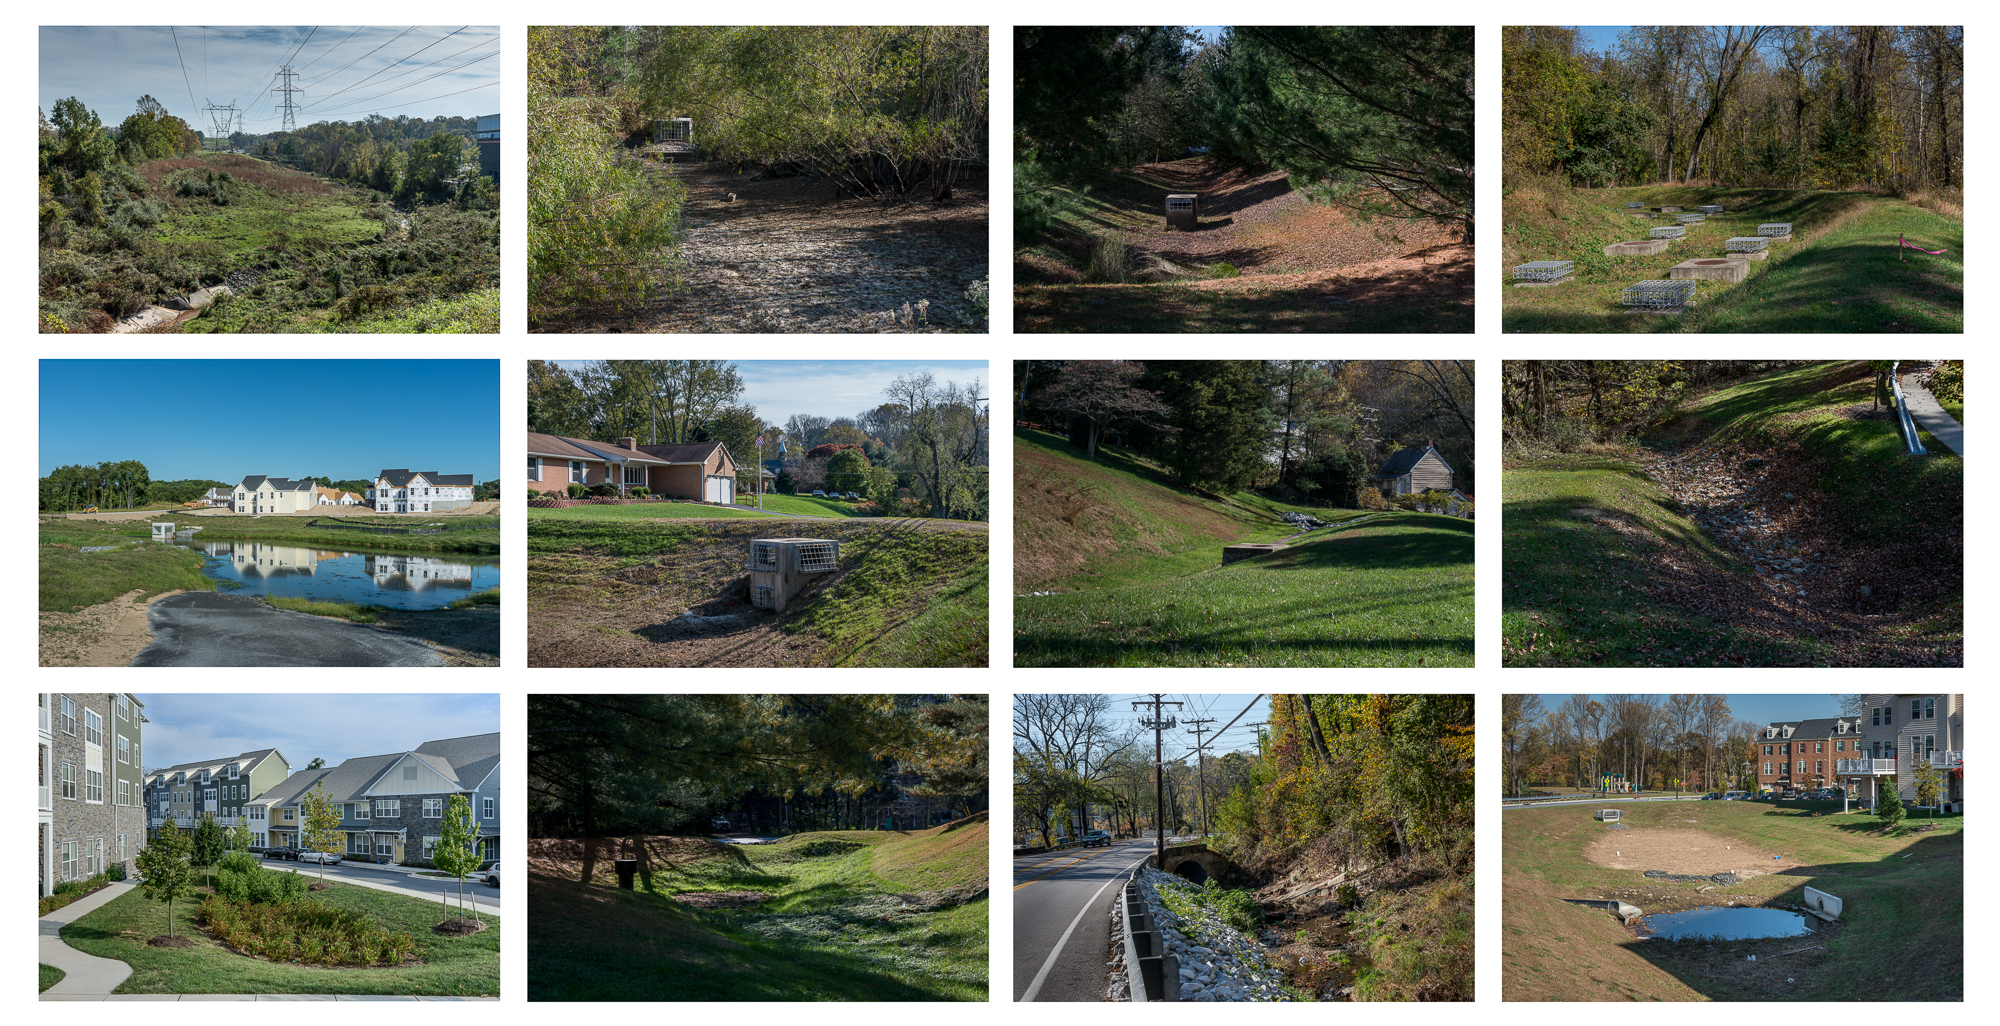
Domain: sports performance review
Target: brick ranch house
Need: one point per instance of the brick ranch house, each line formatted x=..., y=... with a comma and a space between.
x=693, y=470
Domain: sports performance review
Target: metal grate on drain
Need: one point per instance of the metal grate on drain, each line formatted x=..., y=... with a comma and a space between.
x=1672, y=231
x=761, y=597
x=817, y=557
x=1775, y=228
x=1633, y=204
x=1690, y=218
x=1658, y=293
x=1544, y=270
x=764, y=556
x=1710, y=209
x=1745, y=243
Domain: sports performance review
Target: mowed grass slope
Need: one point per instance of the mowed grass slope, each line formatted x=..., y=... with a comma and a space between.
x=834, y=916
x=1900, y=937
x=1572, y=573
x=463, y=966
x=1839, y=273
x=1136, y=566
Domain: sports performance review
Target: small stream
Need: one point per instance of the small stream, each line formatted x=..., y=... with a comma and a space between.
x=1316, y=953
x=398, y=580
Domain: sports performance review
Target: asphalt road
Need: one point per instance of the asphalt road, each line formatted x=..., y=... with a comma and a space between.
x=207, y=628
x=1062, y=920
x=485, y=898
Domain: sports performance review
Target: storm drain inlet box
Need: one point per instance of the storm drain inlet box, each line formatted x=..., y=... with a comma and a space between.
x=780, y=568
x=1183, y=211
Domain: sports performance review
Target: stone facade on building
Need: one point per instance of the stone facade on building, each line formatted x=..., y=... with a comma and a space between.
x=91, y=813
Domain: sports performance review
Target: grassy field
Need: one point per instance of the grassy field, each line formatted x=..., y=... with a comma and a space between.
x=1899, y=938
x=365, y=613
x=1840, y=272
x=836, y=916
x=50, y=976
x=1134, y=563
x=70, y=579
x=805, y=505
x=480, y=536
x=643, y=511
x=907, y=592
x=464, y=966
x=1583, y=534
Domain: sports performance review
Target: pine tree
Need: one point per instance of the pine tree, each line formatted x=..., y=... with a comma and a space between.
x=1890, y=808
x=1222, y=423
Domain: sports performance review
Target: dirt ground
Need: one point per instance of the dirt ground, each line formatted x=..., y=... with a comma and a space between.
x=1689, y=852
x=107, y=634
x=795, y=255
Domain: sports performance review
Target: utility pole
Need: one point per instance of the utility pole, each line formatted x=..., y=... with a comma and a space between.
x=1159, y=777
x=291, y=109
x=1200, y=775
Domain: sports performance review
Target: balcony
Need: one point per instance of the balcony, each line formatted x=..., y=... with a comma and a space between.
x=1948, y=760
x=1864, y=767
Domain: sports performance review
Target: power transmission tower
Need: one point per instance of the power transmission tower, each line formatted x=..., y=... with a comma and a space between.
x=290, y=108
x=219, y=117
x=1159, y=777
x=1200, y=777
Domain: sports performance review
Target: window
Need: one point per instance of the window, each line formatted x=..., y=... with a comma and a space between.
x=124, y=749
x=69, y=780
x=360, y=810
x=93, y=727
x=489, y=849
x=409, y=771
x=1767, y=749
x=1767, y=769
x=1818, y=747
x=430, y=844
x=67, y=714
x=1916, y=708
x=256, y=812
x=360, y=844
x=385, y=844
x=485, y=808
x=534, y=468
x=388, y=807
x=287, y=817
x=576, y=472
x=135, y=754
x=124, y=707
x=433, y=808
x=1930, y=708
x=1819, y=767
x=124, y=793
x=93, y=853
x=1802, y=766
x=68, y=860
x=1840, y=746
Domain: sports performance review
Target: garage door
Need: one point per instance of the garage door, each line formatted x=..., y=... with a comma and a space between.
x=721, y=489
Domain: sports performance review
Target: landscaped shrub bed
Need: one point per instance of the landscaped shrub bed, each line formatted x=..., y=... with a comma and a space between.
x=71, y=890
x=304, y=932
x=245, y=880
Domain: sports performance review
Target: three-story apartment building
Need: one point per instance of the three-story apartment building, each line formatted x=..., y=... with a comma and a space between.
x=1799, y=754
x=420, y=491
x=1902, y=731
x=219, y=787
x=91, y=797
x=392, y=806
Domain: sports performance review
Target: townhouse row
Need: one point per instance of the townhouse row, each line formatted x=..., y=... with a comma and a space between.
x=1870, y=753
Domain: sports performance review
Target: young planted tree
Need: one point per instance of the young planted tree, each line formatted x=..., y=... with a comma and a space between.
x=163, y=863
x=208, y=845
x=320, y=830
x=1930, y=784
x=239, y=837
x=1890, y=808
x=456, y=850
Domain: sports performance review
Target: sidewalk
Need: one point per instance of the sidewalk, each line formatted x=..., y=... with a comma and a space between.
x=1930, y=416
x=89, y=978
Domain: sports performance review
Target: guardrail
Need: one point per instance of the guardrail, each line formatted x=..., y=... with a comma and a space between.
x=1903, y=422
x=1151, y=974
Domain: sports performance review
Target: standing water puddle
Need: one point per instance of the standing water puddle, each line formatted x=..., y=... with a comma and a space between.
x=1741, y=923
x=397, y=580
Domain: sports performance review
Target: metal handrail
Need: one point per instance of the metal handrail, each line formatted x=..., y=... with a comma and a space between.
x=1908, y=426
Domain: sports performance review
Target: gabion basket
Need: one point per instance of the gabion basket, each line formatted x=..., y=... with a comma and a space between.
x=1710, y=209
x=1657, y=293
x=1544, y=270
x=1690, y=218
x=1634, y=203
x=1672, y=231
x=1745, y=243
x=1775, y=228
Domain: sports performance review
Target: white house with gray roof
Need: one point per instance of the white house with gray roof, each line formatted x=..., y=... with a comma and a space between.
x=419, y=491
x=262, y=494
x=392, y=806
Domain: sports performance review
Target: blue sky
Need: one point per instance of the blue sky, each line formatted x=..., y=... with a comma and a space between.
x=195, y=727
x=226, y=419
x=1177, y=742
x=1759, y=709
x=422, y=72
x=833, y=388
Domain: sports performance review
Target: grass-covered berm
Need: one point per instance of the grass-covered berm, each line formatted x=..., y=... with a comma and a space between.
x=298, y=253
x=608, y=588
x=1840, y=270
x=1117, y=565
x=1899, y=937
x=828, y=916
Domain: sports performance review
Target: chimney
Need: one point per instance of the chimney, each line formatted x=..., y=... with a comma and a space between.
x=628, y=443
x=1428, y=444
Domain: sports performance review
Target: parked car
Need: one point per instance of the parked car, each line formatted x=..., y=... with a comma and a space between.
x=1096, y=838
x=1712, y=796
x=1735, y=796
x=819, y=493
x=493, y=875
x=320, y=856
x=281, y=852
x=856, y=496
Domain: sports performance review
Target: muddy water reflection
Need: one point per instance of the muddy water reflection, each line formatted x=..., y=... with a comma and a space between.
x=398, y=580
x=1739, y=923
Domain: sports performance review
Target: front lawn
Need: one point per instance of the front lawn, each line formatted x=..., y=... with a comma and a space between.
x=51, y=976
x=454, y=966
x=640, y=511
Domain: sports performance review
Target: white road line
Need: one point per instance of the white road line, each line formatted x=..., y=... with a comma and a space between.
x=1036, y=987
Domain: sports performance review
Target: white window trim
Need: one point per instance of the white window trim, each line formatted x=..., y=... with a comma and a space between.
x=486, y=808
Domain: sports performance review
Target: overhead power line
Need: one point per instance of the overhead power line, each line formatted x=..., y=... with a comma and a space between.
x=184, y=67
x=420, y=49
x=427, y=78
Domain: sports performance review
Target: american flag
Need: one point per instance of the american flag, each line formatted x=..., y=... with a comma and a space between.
x=760, y=440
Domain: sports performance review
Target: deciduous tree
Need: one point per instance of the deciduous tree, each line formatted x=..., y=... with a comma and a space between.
x=456, y=850
x=319, y=829
x=164, y=869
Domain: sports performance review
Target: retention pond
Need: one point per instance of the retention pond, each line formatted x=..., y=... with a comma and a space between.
x=398, y=580
x=1716, y=923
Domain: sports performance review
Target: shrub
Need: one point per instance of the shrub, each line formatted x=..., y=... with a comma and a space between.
x=116, y=872
x=577, y=491
x=640, y=493
x=304, y=931
x=603, y=491
x=1890, y=809
x=1108, y=262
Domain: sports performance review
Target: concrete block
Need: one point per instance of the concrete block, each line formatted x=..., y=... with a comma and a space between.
x=1755, y=254
x=1639, y=247
x=1787, y=237
x=1232, y=553
x=1658, y=311
x=1731, y=269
